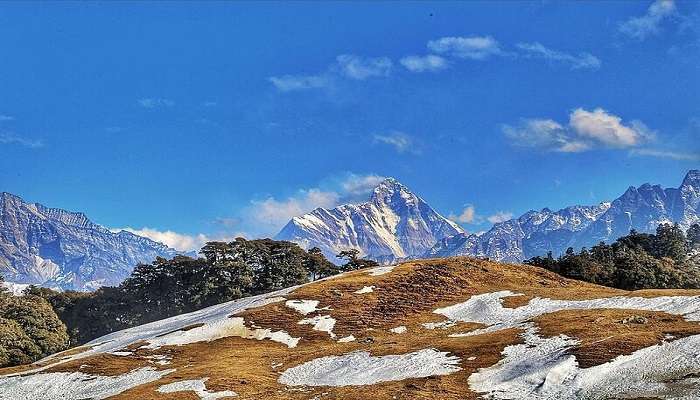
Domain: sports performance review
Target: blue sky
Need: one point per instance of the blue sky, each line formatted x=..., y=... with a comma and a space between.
x=207, y=120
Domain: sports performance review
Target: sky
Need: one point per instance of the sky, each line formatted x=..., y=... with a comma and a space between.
x=196, y=121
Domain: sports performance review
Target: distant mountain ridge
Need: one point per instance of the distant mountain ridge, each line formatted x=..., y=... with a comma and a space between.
x=393, y=224
x=535, y=233
x=58, y=248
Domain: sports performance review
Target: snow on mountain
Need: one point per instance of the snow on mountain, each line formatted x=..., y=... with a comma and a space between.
x=57, y=248
x=393, y=224
x=535, y=233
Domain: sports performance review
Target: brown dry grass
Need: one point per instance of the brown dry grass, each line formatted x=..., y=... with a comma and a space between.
x=406, y=296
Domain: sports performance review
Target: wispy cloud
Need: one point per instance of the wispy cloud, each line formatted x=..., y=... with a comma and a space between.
x=268, y=215
x=355, y=185
x=674, y=155
x=346, y=66
x=580, y=61
x=501, y=216
x=361, y=68
x=177, y=241
x=401, y=142
x=429, y=63
x=649, y=24
x=11, y=138
x=288, y=83
x=466, y=216
x=472, y=47
x=155, y=102
x=586, y=130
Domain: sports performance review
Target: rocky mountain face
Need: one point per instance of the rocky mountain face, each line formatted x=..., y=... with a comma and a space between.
x=393, y=224
x=536, y=232
x=57, y=248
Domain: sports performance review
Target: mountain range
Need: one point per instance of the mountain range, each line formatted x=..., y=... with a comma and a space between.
x=61, y=249
x=393, y=224
x=397, y=224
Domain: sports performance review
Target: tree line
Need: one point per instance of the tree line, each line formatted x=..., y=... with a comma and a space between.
x=669, y=258
x=52, y=321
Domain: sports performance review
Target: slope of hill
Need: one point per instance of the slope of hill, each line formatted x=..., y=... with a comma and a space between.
x=535, y=233
x=57, y=248
x=393, y=224
x=454, y=328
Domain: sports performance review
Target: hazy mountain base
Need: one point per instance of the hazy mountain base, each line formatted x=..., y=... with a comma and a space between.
x=412, y=296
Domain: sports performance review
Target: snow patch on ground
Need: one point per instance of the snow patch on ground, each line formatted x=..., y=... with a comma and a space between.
x=121, y=353
x=322, y=323
x=74, y=385
x=195, y=385
x=302, y=306
x=365, y=289
x=543, y=368
x=488, y=308
x=398, y=329
x=347, y=339
x=361, y=368
x=438, y=325
x=377, y=271
x=217, y=330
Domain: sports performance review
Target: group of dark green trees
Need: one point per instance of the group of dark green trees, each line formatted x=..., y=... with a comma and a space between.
x=667, y=259
x=29, y=329
x=164, y=288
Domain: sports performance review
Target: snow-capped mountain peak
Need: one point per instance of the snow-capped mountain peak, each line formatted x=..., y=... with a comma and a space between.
x=58, y=248
x=394, y=223
x=535, y=233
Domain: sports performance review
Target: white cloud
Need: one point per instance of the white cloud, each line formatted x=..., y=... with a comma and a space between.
x=467, y=216
x=586, y=130
x=11, y=138
x=155, y=102
x=289, y=83
x=177, y=241
x=650, y=23
x=346, y=66
x=580, y=61
x=358, y=68
x=267, y=216
x=607, y=128
x=500, y=216
x=430, y=62
x=355, y=185
x=400, y=141
x=674, y=155
x=472, y=47
x=271, y=214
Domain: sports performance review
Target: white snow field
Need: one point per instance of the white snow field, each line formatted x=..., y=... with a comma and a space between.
x=377, y=271
x=542, y=368
x=197, y=386
x=302, y=306
x=322, y=323
x=229, y=327
x=361, y=368
x=74, y=385
x=365, y=289
x=399, y=329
